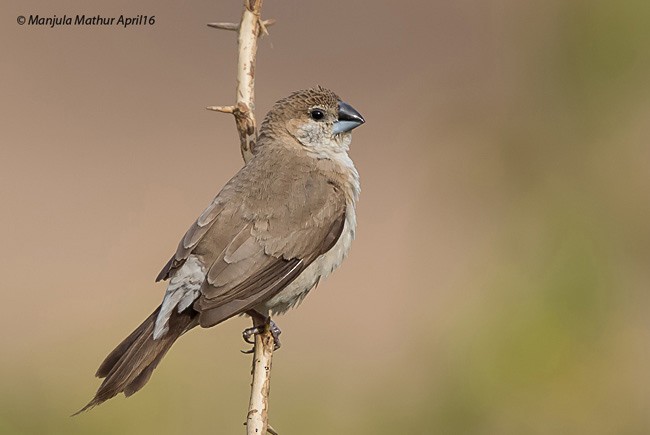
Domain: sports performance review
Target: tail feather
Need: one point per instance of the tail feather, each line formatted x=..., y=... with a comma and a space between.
x=114, y=357
x=130, y=365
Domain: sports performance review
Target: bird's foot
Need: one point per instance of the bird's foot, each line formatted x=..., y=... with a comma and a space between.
x=248, y=334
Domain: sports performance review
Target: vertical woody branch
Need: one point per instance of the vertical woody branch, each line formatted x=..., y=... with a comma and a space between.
x=258, y=406
x=249, y=29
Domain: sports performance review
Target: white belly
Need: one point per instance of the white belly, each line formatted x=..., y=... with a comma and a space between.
x=295, y=292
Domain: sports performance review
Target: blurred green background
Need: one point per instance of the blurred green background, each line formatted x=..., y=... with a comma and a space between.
x=499, y=281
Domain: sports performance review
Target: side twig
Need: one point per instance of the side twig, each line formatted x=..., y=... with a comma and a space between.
x=249, y=29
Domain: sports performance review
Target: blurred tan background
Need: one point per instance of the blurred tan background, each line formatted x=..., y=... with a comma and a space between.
x=499, y=281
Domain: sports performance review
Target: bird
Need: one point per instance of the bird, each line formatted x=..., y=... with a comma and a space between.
x=282, y=223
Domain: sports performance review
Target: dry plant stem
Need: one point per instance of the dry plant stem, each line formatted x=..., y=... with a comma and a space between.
x=257, y=417
x=249, y=30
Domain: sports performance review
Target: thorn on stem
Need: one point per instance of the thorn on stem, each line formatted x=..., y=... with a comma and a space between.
x=225, y=26
x=265, y=24
x=222, y=109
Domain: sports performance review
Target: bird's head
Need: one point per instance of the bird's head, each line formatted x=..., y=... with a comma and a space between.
x=316, y=118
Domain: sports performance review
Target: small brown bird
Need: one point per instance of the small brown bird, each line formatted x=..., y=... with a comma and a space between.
x=282, y=223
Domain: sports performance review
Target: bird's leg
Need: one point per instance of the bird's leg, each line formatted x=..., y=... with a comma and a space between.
x=261, y=323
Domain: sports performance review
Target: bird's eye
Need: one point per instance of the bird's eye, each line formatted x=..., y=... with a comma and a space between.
x=316, y=114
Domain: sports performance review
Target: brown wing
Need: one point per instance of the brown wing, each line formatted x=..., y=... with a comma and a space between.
x=194, y=235
x=255, y=239
x=261, y=267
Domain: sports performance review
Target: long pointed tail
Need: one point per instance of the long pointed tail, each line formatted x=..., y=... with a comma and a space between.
x=129, y=366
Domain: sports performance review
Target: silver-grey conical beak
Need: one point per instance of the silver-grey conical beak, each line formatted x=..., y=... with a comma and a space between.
x=349, y=118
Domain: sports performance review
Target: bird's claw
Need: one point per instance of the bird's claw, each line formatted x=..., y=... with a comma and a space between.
x=275, y=333
x=248, y=333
